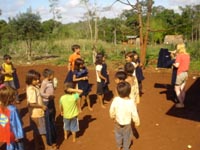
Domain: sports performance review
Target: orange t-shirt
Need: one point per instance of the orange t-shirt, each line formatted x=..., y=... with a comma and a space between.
x=72, y=59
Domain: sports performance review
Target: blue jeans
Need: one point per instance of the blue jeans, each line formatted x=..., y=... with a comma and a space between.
x=123, y=135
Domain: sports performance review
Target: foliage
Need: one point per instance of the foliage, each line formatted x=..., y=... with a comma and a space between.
x=44, y=38
x=194, y=50
x=26, y=26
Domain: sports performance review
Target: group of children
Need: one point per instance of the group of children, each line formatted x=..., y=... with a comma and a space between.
x=123, y=109
x=124, y=106
x=11, y=129
x=42, y=112
x=41, y=106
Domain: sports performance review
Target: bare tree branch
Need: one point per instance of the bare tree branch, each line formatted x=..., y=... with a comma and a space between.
x=128, y=3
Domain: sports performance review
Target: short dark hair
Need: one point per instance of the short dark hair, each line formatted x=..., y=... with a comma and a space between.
x=77, y=63
x=123, y=89
x=32, y=75
x=68, y=85
x=134, y=52
x=129, y=68
x=47, y=72
x=99, y=58
x=75, y=46
x=121, y=75
x=6, y=56
x=129, y=54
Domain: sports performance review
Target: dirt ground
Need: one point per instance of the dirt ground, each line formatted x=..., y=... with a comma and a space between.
x=163, y=127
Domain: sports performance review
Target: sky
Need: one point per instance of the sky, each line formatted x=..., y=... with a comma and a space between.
x=73, y=10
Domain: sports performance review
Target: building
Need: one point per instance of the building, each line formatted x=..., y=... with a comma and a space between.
x=173, y=39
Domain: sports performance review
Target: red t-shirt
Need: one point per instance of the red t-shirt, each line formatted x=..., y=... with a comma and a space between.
x=5, y=132
x=184, y=62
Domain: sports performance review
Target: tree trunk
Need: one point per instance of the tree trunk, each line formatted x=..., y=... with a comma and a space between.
x=90, y=28
x=142, y=55
x=192, y=34
x=96, y=30
x=199, y=31
x=115, y=37
x=144, y=38
x=29, y=46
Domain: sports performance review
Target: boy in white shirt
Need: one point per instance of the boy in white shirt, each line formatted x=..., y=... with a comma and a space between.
x=123, y=110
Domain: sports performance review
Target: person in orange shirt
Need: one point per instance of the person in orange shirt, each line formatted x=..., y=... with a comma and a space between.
x=76, y=54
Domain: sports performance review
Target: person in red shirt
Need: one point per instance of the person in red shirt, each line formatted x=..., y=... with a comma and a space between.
x=182, y=64
x=11, y=129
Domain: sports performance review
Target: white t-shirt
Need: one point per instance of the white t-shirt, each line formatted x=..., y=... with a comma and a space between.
x=123, y=110
x=134, y=64
x=98, y=68
x=33, y=96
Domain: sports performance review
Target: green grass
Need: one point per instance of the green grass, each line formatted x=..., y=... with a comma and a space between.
x=114, y=56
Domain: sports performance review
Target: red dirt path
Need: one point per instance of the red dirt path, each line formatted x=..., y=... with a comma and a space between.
x=163, y=127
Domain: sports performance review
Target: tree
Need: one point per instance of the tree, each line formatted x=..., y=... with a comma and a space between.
x=92, y=20
x=27, y=27
x=3, y=32
x=142, y=8
x=89, y=15
x=163, y=21
x=190, y=20
x=55, y=11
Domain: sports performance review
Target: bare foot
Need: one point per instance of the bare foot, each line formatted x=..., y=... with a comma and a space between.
x=103, y=106
x=90, y=109
x=80, y=111
x=54, y=147
x=74, y=140
x=65, y=137
x=106, y=102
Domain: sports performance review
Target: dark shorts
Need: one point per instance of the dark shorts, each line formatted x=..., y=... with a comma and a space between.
x=102, y=88
x=69, y=77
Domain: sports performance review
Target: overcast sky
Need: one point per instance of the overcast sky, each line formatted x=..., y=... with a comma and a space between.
x=72, y=10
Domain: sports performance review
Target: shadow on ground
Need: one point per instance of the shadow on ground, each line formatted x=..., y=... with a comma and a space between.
x=192, y=101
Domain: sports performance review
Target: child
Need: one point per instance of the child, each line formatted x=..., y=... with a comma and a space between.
x=101, y=79
x=81, y=78
x=36, y=109
x=120, y=76
x=47, y=93
x=129, y=57
x=47, y=90
x=69, y=109
x=11, y=129
x=9, y=72
x=132, y=80
x=76, y=54
x=138, y=71
x=105, y=73
x=123, y=111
